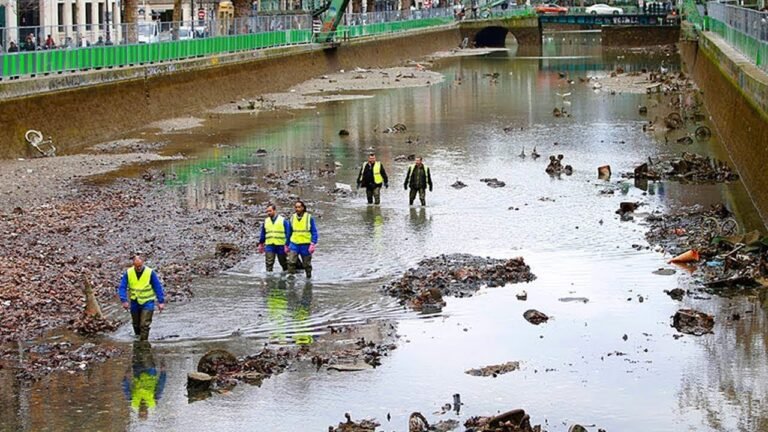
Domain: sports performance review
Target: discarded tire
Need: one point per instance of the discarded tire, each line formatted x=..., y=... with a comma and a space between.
x=703, y=133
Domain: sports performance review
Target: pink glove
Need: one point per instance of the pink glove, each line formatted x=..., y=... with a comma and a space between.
x=287, y=249
x=261, y=248
x=312, y=248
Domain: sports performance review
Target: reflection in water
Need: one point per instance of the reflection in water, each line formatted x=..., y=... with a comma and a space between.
x=144, y=383
x=289, y=307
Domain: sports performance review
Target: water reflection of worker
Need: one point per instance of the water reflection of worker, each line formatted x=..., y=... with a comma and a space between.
x=375, y=221
x=301, y=307
x=284, y=304
x=143, y=386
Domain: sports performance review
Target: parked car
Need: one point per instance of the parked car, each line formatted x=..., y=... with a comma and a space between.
x=550, y=8
x=603, y=9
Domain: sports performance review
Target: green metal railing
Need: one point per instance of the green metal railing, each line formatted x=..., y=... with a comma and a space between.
x=42, y=62
x=745, y=30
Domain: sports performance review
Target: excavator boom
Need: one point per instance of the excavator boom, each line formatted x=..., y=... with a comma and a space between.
x=333, y=11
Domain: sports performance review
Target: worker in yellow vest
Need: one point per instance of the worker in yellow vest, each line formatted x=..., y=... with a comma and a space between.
x=275, y=232
x=142, y=287
x=418, y=179
x=372, y=176
x=143, y=386
x=303, y=239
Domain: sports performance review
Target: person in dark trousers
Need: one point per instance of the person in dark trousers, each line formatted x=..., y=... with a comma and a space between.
x=303, y=239
x=372, y=176
x=275, y=231
x=142, y=287
x=418, y=178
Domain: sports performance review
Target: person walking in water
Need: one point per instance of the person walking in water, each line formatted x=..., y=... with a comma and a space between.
x=372, y=176
x=142, y=287
x=275, y=231
x=303, y=240
x=418, y=178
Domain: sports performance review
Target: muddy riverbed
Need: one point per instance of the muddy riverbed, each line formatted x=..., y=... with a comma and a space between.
x=606, y=357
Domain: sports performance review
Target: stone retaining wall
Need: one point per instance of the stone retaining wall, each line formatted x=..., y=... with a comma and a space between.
x=736, y=95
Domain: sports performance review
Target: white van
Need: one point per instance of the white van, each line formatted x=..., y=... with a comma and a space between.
x=149, y=32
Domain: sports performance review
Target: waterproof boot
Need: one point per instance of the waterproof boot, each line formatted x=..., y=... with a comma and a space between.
x=146, y=322
x=423, y=202
x=309, y=273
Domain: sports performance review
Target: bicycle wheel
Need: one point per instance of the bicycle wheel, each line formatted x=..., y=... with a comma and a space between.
x=729, y=227
x=710, y=227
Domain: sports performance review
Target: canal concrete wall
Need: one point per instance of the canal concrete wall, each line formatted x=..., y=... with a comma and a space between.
x=735, y=93
x=88, y=108
x=639, y=35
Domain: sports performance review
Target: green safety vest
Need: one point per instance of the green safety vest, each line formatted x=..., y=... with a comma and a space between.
x=144, y=390
x=377, y=178
x=140, y=289
x=275, y=231
x=300, y=229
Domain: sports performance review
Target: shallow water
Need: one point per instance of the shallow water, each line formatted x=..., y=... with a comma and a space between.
x=564, y=228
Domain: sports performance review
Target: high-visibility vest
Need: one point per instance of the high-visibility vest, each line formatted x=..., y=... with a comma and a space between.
x=300, y=229
x=377, y=178
x=426, y=172
x=143, y=390
x=275, y=231
x=140, y=289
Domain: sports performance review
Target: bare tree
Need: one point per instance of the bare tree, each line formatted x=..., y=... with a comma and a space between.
x=242, y=8
x=177, y=15
x=130, y=18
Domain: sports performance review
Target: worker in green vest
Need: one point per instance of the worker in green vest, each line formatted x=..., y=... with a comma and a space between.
x=372, y=176
x=143, y=386
x=142, y=287
x=275, y=232
x=418, y=178
x=303, y=239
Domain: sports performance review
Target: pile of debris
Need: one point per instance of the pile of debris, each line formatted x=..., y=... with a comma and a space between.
x=511, y=421
x=35, y=361
x=220, y=369
x=494, y=370
x=457, y=275
x=493, y=182
x=688, y=168
x=728, y=257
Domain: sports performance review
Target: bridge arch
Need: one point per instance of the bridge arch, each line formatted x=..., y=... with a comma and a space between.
x=494, y=37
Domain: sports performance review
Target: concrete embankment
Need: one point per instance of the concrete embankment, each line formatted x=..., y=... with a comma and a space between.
x=736, y=95
x=80, y=112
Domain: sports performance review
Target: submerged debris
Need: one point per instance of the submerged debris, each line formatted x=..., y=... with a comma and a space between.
x=493, y=182
x=535, y=317
x=457, y=275
x=228, y=370
x=352, y=426
x=495, y=370
x=556, y=167
x=687, y=168
x=693, y=322
x=458, y=185
x=511, y=421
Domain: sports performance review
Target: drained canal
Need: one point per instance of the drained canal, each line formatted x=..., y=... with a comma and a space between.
x=608, y=360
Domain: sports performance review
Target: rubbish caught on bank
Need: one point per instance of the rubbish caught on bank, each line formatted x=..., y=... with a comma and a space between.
x=43, y=146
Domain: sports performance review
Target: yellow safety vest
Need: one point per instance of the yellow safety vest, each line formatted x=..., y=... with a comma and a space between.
x=140, y=289
x=144, y=390
x=275, y=231
x=412, y=167
x=377, y=178
x=300, y=229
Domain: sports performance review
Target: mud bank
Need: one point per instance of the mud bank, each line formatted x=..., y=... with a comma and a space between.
x=82, y=117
